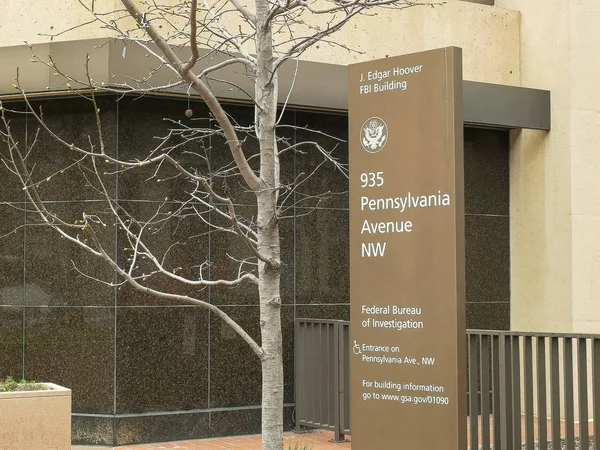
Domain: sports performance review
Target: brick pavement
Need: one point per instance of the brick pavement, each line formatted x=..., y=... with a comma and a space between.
x=563, y=428
x=316, y=440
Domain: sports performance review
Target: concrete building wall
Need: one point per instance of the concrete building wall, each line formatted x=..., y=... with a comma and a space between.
x=555, y=212
x=489, y=37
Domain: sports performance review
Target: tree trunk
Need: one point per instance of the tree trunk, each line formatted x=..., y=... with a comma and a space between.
x=268, y=235
x=272, y=365
x=270, y=316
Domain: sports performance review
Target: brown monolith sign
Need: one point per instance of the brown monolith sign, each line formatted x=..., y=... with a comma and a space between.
x=407, y=281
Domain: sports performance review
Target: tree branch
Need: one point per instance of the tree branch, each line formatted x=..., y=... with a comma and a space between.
x=245, y=11
x=253, y=181
x=193, y=38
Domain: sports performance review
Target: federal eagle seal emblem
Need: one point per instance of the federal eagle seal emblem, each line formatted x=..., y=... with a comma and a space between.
x=373, y=134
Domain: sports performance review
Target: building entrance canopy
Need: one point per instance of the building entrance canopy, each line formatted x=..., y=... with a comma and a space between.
x=315, y=85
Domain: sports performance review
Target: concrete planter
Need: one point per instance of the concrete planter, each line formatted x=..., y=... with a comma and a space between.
x=36, y=419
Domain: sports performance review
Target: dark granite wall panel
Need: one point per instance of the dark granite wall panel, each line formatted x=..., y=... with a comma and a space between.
x=67, y=280
x=73, y=347
x=233, y=186
x=488, y=316
x=10, y=190
x=287, y=330
x=162, y=359
x=160, y=428
x=322, y=256
x=71, y=177
x=11, y=254
x=329, y=177
x=185, y=425
x=487, y=229
x=487, y=258
x=11, y=342
x=235, y=422
x=486, y=172
x=142, y=129
x=235, y=374
x=176, y=242
x=224, y=246
x=92, y=430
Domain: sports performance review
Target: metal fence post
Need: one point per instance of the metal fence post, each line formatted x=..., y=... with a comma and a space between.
x=506, y=416
x=337, y=355
x=339, y=383
x=297, y=375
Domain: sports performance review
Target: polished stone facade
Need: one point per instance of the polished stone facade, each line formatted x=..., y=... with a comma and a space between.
x=142, y=369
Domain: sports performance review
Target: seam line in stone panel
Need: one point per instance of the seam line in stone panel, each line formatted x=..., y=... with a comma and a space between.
x=501, y=302
x=70, y=306
x=177, y=413
x=294, y=254
x=141, y=200
x=112, y=307
x=208, y=338
x=116, y=289
x=286, y=305
x=236, y=204
x=328, y=208
x=294, y=236
x=24, y=295
x=487, y=215
x=73, y=201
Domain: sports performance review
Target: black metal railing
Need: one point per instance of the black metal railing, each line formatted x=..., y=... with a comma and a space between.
x=525, y=390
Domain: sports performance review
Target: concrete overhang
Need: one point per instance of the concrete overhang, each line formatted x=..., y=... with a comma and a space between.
x=305, y=84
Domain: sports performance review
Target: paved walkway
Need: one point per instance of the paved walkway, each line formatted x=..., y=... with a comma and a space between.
x=314, y=440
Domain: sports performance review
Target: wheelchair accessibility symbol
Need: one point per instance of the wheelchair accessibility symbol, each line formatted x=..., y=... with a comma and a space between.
x=356, y=349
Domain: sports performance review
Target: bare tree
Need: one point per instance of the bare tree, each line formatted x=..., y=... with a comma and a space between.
x=259, y=37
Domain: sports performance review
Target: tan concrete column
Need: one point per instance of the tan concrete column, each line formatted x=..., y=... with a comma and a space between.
x=555, y=182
